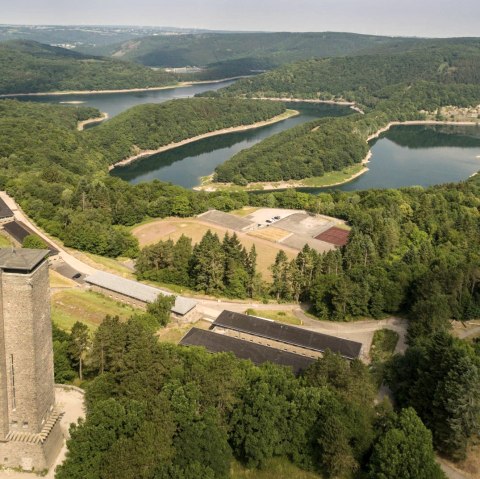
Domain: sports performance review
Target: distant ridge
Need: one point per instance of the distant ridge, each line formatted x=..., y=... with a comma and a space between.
x=28, y=67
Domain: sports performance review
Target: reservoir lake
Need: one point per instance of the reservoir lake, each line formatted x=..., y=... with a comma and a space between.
x=404, y=156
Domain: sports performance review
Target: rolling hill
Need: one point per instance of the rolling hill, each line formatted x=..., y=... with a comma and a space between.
x=30, y=67
x=232, y=54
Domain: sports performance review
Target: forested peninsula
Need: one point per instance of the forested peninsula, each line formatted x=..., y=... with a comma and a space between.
x=30, y=67
x=389, y=88
x=150, y=127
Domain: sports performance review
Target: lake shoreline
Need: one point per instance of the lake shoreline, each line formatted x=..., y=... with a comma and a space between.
x=351, y=104
x=124, y=90
x=81, y=124
x=208, y=186
x=224, y=131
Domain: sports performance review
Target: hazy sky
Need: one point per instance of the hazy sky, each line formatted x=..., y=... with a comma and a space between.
x=388, y=17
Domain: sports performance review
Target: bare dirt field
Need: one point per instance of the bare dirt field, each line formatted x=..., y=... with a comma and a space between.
x=195, y=228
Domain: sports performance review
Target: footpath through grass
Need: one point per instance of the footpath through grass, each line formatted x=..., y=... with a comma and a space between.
x=383, y=345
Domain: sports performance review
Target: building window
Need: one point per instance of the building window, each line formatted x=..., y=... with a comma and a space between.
x=12, y=381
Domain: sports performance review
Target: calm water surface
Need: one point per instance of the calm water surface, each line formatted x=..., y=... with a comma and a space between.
x=115, y=103
x=420, y=155
x=403, y=156
x=185, y=165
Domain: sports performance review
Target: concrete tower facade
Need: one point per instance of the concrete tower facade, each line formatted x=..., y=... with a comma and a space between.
x=30, y=433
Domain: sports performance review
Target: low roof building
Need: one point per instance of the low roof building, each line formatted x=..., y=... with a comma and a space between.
x=257, y=353
x=284, y=333
x=137, y=291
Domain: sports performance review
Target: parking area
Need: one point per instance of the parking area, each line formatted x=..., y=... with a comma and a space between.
x=291, y=228
x=267, y=216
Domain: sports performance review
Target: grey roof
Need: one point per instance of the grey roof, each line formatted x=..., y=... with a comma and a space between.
x=257, y=353
x=138, y=291
x=285, y=333
x=5, y=211
x=226, y=220
x=21, y=259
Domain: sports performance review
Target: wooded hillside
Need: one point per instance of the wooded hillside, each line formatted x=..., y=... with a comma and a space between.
x=29, y=67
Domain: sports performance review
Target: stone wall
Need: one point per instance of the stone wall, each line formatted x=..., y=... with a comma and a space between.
x=30, y=456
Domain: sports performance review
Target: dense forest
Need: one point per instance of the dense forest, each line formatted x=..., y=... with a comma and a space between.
x=148, y=127
x=212, y=266
x=59, y=175
x=275, y=48
x=30, y=67
x=305, y=151
x=388, y=87
x=158, y=411
x=367, y=79
x=224, y=55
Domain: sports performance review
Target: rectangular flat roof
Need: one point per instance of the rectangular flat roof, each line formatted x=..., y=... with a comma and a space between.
x=257, y=353
x=139, y=291
x=21, y=259
x=285, y=333
x=226, y=220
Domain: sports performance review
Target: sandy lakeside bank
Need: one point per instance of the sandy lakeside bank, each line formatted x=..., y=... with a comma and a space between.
x=234, y=129
x=81, y=124
x=123, y=90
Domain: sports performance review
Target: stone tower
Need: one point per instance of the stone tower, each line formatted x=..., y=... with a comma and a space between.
x=30, y=434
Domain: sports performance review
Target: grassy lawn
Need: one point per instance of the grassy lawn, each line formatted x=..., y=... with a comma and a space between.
x=281, y=316
x=59, y=281
x=275, y=469
x=87, y=307
x=383, y=346
x=110, y=265
x=334, y=177
x=174, y=332
x=245, y=211
x=5, y=241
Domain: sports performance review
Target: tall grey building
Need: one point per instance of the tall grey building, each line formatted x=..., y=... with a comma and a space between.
x=30, y=433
